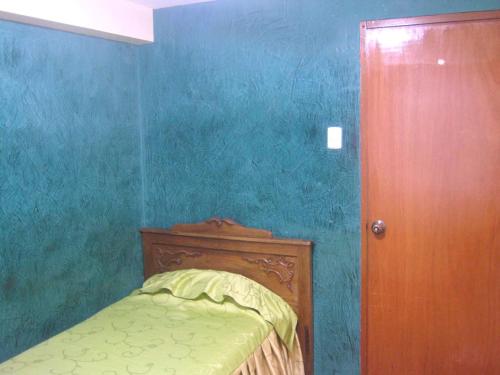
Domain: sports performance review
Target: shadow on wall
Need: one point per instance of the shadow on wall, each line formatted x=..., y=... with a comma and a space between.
x=69, y=180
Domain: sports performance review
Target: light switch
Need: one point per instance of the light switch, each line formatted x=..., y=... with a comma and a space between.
x=334, y=138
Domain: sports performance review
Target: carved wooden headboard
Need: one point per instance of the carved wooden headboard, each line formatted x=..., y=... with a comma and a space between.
x=282, y=265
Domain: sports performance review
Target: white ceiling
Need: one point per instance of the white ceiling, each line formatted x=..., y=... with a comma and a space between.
x=157, y=4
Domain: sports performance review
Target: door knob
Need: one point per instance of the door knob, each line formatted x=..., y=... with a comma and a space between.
x=378, y=227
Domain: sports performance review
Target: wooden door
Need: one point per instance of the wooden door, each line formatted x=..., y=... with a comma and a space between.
x=431, y=171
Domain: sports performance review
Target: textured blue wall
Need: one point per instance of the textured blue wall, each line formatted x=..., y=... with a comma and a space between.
x=236, y=97
x=70, y=180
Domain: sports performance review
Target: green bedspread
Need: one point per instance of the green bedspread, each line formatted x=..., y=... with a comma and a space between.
x=150, y=334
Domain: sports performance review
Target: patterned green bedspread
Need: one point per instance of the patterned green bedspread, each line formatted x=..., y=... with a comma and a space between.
x=149, y=334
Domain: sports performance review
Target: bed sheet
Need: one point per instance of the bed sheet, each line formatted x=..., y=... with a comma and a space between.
x=150, y=334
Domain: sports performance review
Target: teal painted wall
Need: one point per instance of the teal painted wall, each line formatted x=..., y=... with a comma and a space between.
x=236, y=97
x=70, y=180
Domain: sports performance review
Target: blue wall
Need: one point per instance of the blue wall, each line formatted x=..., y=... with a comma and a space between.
x=236, y=97
x=70, y=181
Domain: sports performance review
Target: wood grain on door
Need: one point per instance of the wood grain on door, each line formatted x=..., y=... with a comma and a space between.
x=430, y=134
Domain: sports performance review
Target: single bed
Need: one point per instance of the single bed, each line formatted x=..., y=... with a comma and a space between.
x=205, y=308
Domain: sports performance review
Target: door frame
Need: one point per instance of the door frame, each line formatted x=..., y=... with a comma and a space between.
x=364, y=26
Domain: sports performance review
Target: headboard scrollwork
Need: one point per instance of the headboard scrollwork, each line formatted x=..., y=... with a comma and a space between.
x=282, y=265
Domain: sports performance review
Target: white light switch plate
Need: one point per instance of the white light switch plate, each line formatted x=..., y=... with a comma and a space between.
x=334, y=137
